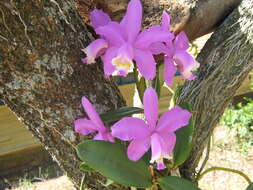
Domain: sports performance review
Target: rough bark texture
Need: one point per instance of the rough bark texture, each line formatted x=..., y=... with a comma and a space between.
x=42, y=78
x=196, y=17
x=225, y=60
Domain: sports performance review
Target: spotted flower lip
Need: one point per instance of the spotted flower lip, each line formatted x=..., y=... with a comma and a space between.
x=159, y=135
x=121, y=43
x=94, y=124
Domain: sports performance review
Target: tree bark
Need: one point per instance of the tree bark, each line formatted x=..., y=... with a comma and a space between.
x=195, y=17
x=42, y=78
x=225, y=60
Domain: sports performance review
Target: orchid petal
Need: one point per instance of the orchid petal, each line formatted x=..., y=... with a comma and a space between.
x=137, y=148
x=152, y=35
x=186, y=64
x=99, y=18
x=130, y=128
x=156, y=147
x=112, y=32
x=107, y=60
x=165, y=21
x=160, y=165
x=169, y=71
x=173, y=119
x=145, y=63
x=158, y=48
x=181, y=41
x=169, y=142
x=132, y=20
x=93, y=50
x=93, y=115
x=150, y=102
x=84, y=126
x=104, y=137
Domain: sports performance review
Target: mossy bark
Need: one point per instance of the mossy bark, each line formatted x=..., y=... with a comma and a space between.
x=225, y=60
x=42, y=78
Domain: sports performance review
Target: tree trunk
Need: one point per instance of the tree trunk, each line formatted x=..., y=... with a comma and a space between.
x=42, y=78
x=225, y=60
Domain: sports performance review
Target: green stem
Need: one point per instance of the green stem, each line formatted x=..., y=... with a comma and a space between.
x=82, y=184
x=140, y=83
x=227, y=170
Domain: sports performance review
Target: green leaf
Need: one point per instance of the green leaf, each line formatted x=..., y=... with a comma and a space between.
x=184, y=141
x=176, y=183
x=250, y=187
x=110, y=160
x=84, y=167
x=117, y=114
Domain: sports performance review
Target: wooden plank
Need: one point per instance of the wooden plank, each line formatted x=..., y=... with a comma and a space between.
x=13, y=134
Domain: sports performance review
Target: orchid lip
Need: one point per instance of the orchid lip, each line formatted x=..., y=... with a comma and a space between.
x=122, y=63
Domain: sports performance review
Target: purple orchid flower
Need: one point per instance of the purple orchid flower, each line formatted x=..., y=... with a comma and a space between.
x=159, y=135
x=176, y=57
x=85, y=126
x=123, y=42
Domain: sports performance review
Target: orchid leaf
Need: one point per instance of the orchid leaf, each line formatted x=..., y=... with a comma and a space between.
x=117, y=114
x=176, y=183
x=110, y=160
x=184, y=141
x=250, y=187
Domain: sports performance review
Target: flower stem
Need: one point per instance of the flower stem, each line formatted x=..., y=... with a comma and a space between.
x=140, y=83
x=227, y=170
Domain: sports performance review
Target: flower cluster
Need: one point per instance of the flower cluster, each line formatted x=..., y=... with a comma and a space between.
x=121, y=44
x=159, y=135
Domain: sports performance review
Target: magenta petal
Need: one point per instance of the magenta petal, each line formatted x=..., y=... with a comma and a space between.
x=186, y=64
x=130, y=128
x=137, y=148
x=99, y=18
x=160, y=165
x=169, y=70
x=150, y=102
x=132, y=20
x=173, y=119
x=84, y=126
x=181, y=41
x=158, y=48
x=156, y=147
x=93, y=115
x=112, y=32
x=145, y=63
x=165, y=21
x=152, y=35
x=169, y=142
x=93, y=50
x=107, y=60
x=106, y=136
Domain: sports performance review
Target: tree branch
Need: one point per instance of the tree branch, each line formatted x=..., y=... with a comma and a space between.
x=225, y=60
